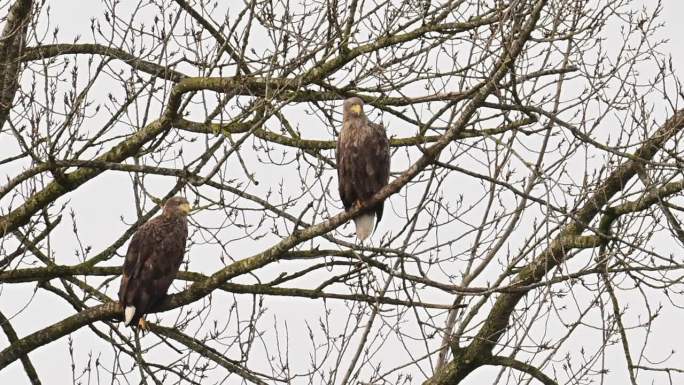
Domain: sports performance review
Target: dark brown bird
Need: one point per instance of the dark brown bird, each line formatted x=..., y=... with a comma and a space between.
x=363, y=164
x=152, y=261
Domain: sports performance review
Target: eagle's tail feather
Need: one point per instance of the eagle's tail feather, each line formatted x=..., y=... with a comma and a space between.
x=128, y=314
x=364, y=225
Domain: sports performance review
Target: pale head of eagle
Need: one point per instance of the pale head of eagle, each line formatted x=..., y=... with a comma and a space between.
x=352, y=109
x=176, y=206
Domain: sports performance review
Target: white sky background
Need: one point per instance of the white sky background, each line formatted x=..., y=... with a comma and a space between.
x=99, y=224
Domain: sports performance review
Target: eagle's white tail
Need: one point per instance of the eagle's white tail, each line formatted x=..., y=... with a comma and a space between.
x=128, y=314
x=364, y=225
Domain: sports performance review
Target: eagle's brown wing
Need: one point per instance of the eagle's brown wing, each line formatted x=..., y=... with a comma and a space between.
x=379, y=160
x=152, y=261
x=135, y=258
x=345, y=168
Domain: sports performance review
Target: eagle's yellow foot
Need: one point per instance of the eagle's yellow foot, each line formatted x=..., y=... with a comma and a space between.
x=142, y=324
x=359, y=204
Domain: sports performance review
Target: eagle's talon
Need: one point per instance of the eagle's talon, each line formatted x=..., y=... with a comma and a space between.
x=143, y=325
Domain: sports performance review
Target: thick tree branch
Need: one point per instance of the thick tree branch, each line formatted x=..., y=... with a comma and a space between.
x=60, y=271
x=308, y=144
x=12, y=43
x=52, y=50
x=21, y=215
x=25, y=361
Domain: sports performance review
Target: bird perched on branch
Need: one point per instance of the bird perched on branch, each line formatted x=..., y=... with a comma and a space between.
x=363, y=164
x=152, y=261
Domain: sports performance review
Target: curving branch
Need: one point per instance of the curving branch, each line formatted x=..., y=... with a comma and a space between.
x=47, y=51
x=309, y=144
x=53, y=332
x=60, y=271
x=521, y=366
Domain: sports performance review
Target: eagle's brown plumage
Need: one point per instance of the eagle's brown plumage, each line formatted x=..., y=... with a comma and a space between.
x=363, y=164
x=153, y=259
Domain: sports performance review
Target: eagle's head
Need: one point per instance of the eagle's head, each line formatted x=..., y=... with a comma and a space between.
x=353, y=107
x=176, y=206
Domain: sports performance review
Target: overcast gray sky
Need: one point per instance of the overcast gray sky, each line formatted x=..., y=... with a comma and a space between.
x=101, y=223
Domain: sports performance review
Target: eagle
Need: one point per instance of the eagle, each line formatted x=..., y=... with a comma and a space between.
x=363, y=164
x=152, y=261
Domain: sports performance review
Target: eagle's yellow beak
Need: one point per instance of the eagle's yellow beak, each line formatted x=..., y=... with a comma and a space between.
x=356, y=108
x=185, y=208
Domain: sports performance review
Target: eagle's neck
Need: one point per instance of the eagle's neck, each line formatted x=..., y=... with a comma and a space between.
x=357, y=122
x=173, y=217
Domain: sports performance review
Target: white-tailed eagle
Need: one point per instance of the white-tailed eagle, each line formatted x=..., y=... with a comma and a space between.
x=152, y=261
x=363, y=164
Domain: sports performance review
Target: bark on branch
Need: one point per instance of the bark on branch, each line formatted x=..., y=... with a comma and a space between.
x=12, y=42
x=25, y=361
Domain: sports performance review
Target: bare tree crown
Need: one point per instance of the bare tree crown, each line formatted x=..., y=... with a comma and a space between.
x=532, y=226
